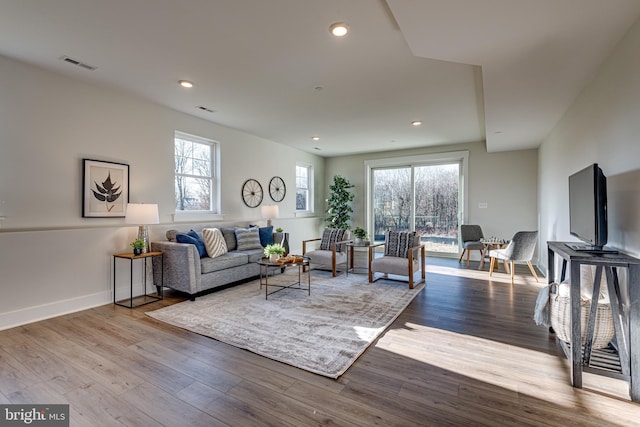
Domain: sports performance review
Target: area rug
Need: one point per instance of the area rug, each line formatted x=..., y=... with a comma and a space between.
x=323, y=333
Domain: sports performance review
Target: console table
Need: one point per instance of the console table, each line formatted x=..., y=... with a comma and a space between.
x=626, y=321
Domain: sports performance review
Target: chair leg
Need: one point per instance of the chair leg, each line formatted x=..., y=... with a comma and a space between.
x=513, y=270
x=506, y=266
x=533, y=271
x=491, y=264
x=468, y=253
x=461, y=255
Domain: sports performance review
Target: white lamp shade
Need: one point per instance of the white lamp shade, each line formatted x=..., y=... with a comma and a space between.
x=142, y=213
x=269, y=211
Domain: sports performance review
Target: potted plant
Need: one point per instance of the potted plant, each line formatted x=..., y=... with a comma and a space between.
x=338, y=205
x=361, y=236
x=138, y=246
x=274, y=252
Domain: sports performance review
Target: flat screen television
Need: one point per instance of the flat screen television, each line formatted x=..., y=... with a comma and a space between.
x=588, y=209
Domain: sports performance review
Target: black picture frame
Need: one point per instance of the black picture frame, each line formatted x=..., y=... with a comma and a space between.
x=105, y=189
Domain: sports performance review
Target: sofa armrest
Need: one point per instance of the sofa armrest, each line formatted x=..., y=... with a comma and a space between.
x=181, y=266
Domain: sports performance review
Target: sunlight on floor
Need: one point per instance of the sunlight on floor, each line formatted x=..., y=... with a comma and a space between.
x=367, y=334
x=498, y=277
x=504, y=368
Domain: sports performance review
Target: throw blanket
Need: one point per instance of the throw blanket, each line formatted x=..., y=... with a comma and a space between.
x=541, y=314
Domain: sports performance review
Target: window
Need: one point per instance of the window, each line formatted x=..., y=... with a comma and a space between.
x=196, y=187
x=424, y=193
x=304, y=187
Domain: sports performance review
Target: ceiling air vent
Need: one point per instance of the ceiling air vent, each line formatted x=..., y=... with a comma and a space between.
x=203, y=108
x=78, y=63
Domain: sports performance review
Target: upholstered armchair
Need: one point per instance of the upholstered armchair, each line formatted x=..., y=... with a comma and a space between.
x=520, y=248
x=403, y=256
x=332, y=250
x=471, y=236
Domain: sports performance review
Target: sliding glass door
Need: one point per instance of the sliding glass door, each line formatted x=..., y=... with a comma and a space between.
x=425, y=197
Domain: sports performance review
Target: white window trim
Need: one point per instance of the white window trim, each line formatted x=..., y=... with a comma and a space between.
x=196, y=216
x=310, y=211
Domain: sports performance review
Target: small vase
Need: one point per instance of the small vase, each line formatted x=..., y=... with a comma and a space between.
x=274, y=257
x=137, y=251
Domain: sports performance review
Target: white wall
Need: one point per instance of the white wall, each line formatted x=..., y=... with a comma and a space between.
x=506, y=181
x=51, y=259
x=602, y=126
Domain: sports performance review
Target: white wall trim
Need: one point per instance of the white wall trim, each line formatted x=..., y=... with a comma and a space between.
x=58, y=308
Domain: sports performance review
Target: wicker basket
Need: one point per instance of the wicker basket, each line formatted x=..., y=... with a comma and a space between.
x=560, y=312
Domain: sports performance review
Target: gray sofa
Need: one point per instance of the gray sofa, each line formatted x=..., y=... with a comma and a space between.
x=186, y=271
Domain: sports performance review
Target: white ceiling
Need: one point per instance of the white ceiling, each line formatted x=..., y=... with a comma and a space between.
x=271, y=68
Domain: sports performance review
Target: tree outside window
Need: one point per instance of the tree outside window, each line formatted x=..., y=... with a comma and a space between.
x=194, y=175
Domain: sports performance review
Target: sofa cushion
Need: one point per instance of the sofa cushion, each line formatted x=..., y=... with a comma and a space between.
x=266, y=235
x=193, y=238
x=331, y=236
x=224, y=261
x=230, y=238
x=254, y=255
x=397, y=243
x=248, y=238
x=214, y=242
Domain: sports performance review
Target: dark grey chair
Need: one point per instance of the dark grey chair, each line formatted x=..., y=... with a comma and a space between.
x=520, y=248
x=471, y=236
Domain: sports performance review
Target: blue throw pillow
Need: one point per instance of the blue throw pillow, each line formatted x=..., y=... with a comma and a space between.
x=266, y=235
x=194, y=240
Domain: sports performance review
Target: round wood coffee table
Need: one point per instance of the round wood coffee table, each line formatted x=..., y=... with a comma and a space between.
x=265, y=264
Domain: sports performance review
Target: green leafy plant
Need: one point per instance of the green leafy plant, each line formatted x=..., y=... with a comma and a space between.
x=360, y=233
x=107, y=192
x=279, y=230
x=138, y=244
x=275, y=248
x=338, y=204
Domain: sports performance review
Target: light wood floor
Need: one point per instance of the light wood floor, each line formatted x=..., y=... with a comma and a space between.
x=464, y=353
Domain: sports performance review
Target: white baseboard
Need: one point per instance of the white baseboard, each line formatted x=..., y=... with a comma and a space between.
x=46, y=311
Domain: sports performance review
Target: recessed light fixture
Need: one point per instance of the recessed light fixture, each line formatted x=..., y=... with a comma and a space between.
x=315, y=138
x=339, y=29
x=416, y=123
x=185, y=83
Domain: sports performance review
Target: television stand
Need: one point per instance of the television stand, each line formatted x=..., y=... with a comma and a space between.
x=626, y=318
x=584, y=247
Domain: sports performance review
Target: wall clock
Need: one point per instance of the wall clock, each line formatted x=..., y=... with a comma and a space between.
x=277, y=189
x=252, y=193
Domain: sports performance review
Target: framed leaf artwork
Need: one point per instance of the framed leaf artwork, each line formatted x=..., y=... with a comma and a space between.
x=105, y=189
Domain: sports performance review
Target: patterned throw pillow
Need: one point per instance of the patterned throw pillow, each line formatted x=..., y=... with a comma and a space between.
x=330, y=236
x=214, y=242
x=248, y=238
x=398, y=243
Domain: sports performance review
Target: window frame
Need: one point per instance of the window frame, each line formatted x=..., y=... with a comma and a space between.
x=214, y=208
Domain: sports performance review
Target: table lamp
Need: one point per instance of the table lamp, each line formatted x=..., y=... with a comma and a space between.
x=142, y=214
x=269, y=212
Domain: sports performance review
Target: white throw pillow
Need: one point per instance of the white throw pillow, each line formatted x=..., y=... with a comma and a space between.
x=214, y=242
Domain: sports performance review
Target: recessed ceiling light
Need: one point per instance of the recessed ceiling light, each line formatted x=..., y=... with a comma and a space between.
x=339, y=29
x=416, y=123
x=315, y=138
x=185, y=83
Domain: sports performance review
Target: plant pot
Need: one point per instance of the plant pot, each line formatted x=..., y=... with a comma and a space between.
x=137, y=251
x=274, y=257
